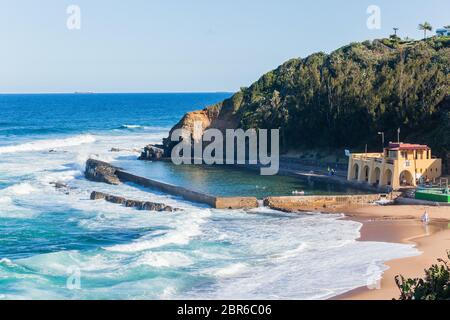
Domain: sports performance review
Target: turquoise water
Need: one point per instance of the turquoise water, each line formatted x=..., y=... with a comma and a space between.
x=230, y=181
x=58, y=244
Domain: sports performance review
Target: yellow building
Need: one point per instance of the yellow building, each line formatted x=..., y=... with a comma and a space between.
x=401, y=165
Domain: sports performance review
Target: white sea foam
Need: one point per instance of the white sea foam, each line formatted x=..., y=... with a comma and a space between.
x=231, y=270
x=291, y=253
x=41, y=145
x=5, y=200
x=7, y=262
x=20, y=189
x=168, y=293
x=137, y=126
x=180, y=235
x=268, y=255
x=9, y=210
x=184, y=226
x=164, y=259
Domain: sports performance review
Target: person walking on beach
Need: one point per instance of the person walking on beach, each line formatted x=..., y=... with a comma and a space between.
x=426, y=218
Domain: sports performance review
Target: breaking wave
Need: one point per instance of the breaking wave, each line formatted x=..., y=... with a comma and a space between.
x=20, y=189
x=141, y=127
x=41, y=145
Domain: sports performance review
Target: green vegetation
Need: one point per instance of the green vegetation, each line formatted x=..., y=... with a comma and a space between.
x=435, y=285
x=343, y=99
x=426, y=26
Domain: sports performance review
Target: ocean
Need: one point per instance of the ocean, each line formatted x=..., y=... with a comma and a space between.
x=58, y=244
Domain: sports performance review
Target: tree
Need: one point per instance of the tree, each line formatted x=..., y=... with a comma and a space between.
x=435, y=285
x=426, y=26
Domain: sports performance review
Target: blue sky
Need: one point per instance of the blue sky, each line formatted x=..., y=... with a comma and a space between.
x=182, y=46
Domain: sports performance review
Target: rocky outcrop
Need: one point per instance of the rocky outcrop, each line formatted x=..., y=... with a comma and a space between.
x=100, y=171
x=141, y=205
x=220, y=116
x=152, y=152
x=61, y=187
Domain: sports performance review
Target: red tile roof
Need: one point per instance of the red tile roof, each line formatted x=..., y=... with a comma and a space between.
x=407, y=146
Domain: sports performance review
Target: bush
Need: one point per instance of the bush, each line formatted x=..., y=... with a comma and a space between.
x=435, y=285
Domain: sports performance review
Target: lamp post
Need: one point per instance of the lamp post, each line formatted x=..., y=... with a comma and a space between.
x=382, y=139
x=398, y=135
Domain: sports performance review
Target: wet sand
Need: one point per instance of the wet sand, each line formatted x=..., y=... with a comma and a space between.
x=401, y=224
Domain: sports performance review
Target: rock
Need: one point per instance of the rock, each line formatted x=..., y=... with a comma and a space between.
x=152, y=152
x=133, y=204
x=59, y=185
x=116, y=200
x=97, y=195
x=220, y=116
x=141, y=205
x=100, y=171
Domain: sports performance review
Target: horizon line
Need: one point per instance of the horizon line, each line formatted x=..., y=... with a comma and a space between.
x=113, y=92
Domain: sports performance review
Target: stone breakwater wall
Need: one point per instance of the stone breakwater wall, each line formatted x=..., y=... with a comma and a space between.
x=100, y=171
x=320, y=203
x=194, y=196
x=104, y=172
x=141, y=205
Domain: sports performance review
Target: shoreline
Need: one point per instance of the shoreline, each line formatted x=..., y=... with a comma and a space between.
x=401, y=224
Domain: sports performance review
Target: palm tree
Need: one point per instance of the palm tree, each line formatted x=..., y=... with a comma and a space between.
x=426, y=26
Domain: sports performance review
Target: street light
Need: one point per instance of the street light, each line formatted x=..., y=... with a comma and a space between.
x=382, y=138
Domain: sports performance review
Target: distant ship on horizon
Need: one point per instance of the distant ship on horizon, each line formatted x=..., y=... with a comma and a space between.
x=84, y=92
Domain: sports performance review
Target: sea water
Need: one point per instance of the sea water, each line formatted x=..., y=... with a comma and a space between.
x=58, y=244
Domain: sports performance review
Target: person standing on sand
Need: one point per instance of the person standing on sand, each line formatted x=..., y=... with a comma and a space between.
x=426, y=218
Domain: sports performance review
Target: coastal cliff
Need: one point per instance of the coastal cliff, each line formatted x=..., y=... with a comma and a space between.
x=220, y=116
x=343, y=99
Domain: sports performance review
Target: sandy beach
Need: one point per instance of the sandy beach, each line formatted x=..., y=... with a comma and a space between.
x=401, y=224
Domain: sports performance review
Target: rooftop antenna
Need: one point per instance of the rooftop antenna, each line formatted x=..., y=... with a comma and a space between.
x=381, y=133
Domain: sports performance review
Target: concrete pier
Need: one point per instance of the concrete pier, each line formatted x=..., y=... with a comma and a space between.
x=288, y=203
x=320, y=203
x=194, y=196
x=103, y=172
